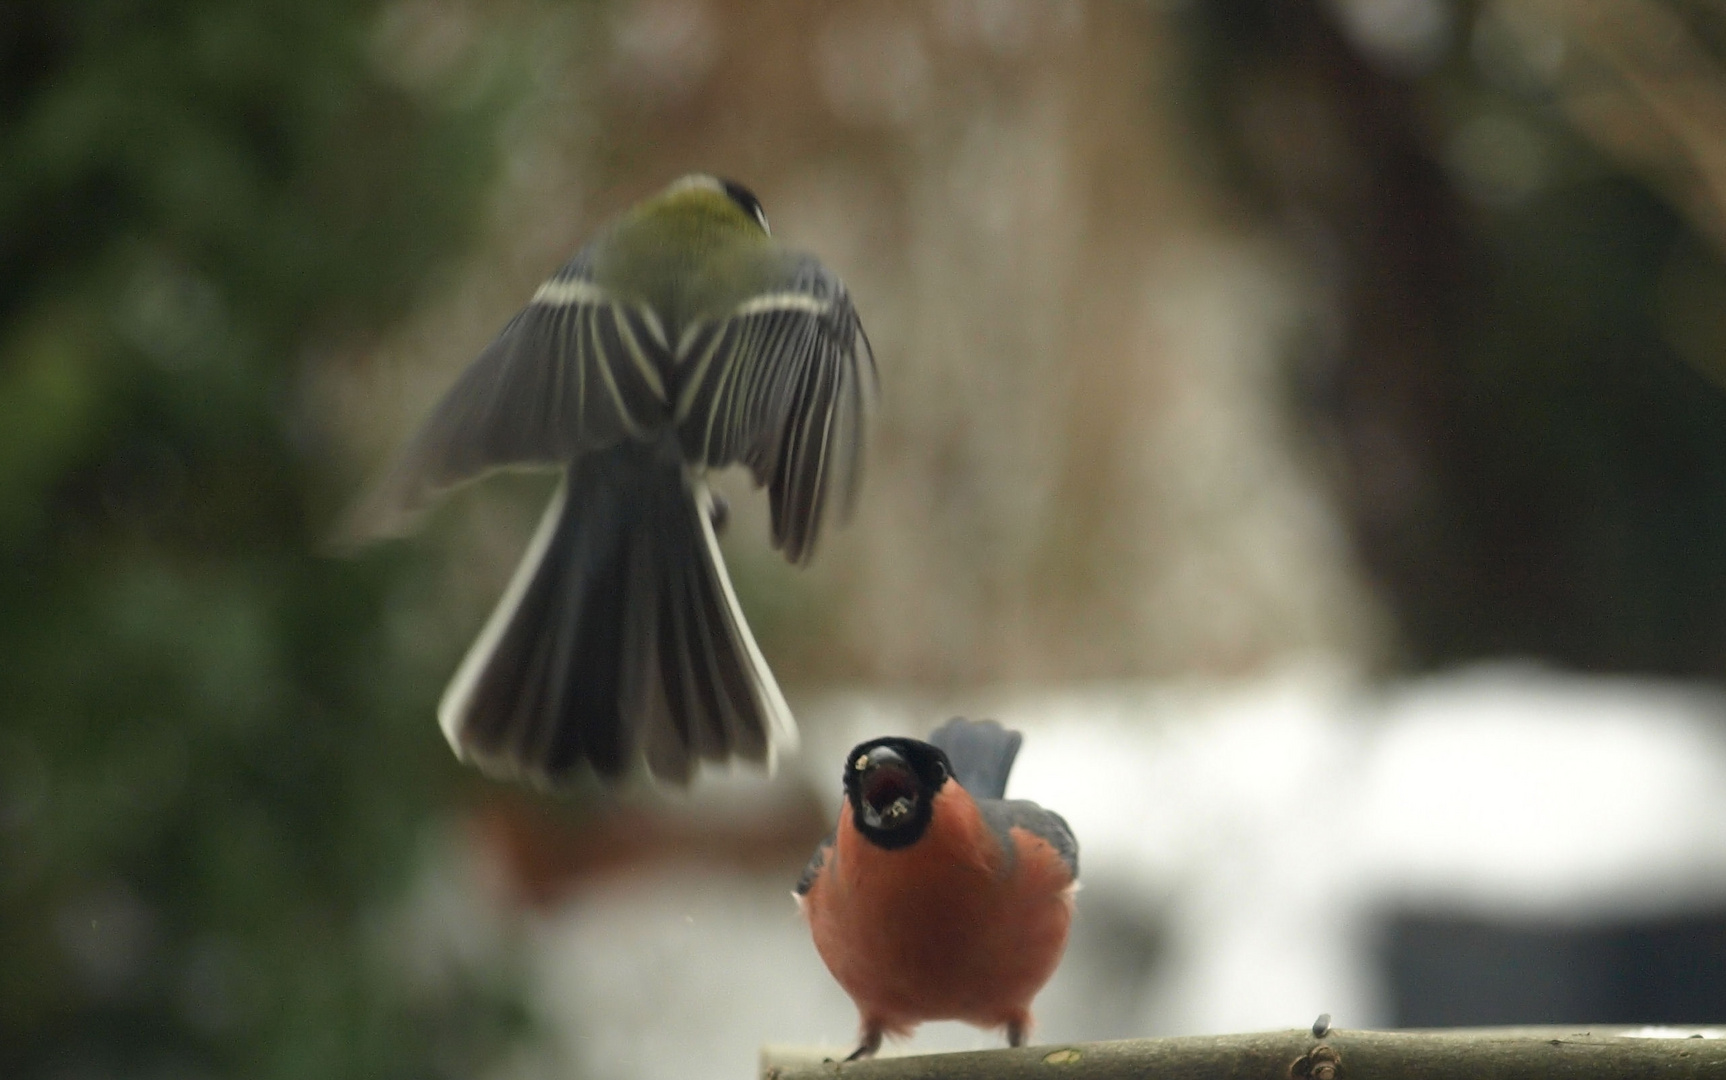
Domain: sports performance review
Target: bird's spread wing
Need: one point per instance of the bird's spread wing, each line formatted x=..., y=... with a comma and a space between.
x=781, y=385
x=578, y=369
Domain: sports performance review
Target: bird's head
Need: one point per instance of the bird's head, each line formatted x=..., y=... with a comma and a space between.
x=891, y=785
x=702, y=189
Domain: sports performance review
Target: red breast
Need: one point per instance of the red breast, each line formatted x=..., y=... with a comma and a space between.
x=948, y=928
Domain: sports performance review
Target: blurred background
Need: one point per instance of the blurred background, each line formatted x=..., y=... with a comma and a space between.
x=1304, y=420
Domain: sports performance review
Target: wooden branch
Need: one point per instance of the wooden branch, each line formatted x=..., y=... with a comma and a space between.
x=1579, y=1052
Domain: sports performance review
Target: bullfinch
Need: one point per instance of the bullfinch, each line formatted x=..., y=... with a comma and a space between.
x=680, y=339
x=937, y=898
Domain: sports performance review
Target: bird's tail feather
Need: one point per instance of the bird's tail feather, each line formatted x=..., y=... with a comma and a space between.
x=618, y=635
x=981, y=752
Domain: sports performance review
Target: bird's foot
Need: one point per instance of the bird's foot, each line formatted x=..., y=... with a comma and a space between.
x=871, y=1043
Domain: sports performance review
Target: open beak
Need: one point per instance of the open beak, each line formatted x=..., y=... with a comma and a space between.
x=889, y=788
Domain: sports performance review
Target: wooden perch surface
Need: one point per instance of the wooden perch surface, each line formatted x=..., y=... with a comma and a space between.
x=1579, y=1052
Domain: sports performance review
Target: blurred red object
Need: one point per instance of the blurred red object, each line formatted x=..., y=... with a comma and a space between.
x=542, y=853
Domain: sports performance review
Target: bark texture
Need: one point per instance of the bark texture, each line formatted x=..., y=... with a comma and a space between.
x=1579, y=1052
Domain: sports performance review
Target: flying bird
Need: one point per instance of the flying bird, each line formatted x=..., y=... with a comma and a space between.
x=937, y=898
x=681, y=339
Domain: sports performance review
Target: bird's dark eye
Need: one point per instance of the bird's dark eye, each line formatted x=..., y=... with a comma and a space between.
x=745, y=198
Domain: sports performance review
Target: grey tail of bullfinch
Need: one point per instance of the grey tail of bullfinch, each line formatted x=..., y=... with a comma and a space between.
x=981, y=752
x=619, y=635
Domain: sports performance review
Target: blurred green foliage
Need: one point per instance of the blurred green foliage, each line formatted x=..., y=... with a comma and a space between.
x=216, y=769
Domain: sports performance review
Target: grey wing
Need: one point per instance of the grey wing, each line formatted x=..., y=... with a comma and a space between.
x=806, y=880
x=576, y=370
x=1003, y=815
x=782, y=385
